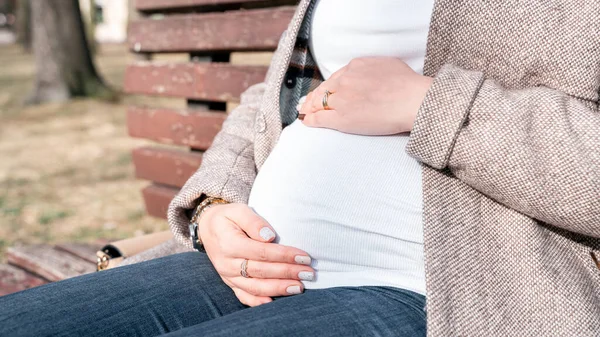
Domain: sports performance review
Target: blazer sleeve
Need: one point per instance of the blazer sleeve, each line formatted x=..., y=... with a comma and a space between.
x=227, y=170
x=535, y=150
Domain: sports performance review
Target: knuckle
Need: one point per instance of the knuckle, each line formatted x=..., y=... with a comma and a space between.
x=262, y=253
x=255, y=222
x=291, y=273
x=240, y=296
x=228, y=283
x=308, y=100
x=219, y=268
x=253, y=289
x=242, y=299
x=277, y=252
x=226, y=269
x=355, y=62
x=318, y=100
x=288, y=255
x=320, y=90
x=257, y=272
x=283, y=288
x=225, y=248
x=344, y=81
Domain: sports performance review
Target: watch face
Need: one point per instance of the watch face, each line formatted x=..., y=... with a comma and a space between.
x=194, y=237
x=193, y=230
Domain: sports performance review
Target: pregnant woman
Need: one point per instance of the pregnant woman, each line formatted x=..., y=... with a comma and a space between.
x=407, y=168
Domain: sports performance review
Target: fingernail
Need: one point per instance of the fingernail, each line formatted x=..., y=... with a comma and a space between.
x=298, y=107
x=302, y=100
x=301, y=116
x=306, y=275
x=266, y=233
x=301, y=259
x=294, y=290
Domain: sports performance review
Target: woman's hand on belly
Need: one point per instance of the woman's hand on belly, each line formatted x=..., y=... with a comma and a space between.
x=370, y=96
x=232, y=233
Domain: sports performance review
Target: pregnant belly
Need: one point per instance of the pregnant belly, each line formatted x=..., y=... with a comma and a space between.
x=352, y=202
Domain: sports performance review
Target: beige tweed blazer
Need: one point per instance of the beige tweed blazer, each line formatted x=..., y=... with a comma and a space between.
x=509, y=138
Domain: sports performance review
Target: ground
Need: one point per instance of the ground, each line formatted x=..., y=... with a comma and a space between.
x=65, y=169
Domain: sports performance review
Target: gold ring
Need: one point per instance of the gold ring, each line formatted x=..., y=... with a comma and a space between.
x=325, y=98
x=244, y=267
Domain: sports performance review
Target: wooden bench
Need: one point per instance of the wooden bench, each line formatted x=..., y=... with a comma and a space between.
x=218, y=38
x=217, y=35
x=31, y=266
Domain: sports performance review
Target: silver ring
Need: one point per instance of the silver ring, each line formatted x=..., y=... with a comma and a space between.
x=244, y=267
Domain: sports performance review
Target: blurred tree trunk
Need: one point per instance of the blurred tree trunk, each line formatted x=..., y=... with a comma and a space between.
x=23, y=24
x=88, y=13
x=64, y=64
x=6, y=6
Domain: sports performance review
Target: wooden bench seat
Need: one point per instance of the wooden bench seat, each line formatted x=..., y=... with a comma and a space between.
x=34, y=265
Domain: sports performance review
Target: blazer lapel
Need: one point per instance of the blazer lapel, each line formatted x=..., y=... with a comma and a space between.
x=268, y=123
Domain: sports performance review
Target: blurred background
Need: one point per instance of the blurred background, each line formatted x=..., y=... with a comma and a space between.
x=106, y=107
x=65, y=156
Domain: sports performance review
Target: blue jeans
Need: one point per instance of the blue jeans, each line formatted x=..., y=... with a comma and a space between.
x=182, y=295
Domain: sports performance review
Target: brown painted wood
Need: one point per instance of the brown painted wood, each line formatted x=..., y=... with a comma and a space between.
x=157, y=199
x=147, y=5
x=165, y=166
x=252, y=30
x=13, y=279
x=191, y=128
x=81, y=250
x=201, y=81
x=47, y=262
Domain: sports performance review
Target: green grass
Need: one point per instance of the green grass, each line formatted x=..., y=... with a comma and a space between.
x=51, y=216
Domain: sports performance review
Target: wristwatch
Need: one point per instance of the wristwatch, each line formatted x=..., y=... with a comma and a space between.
x=203, y=206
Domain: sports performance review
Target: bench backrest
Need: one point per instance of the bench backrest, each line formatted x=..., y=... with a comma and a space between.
x=217, y=35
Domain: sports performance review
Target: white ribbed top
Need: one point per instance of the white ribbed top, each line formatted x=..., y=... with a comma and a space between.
x=354, y=203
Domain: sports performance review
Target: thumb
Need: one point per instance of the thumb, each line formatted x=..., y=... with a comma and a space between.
x=255, y=226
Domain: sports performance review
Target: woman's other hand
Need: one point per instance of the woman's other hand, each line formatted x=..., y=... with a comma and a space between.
x=370, y=96
x=232, y=233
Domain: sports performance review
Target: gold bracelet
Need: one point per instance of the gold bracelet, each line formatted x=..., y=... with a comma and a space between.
x=205, y=204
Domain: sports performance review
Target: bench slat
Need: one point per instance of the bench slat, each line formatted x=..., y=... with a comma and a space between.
x=201, y=81
x=191, y=128
x=82, y=250
x=49, y=263
x=165, y=166
x=157, y=199
x=147, y=5
x=252, y=30
x=13, y=279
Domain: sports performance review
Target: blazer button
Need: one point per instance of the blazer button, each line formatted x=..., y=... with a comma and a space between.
x=290, y=80
x=260, y=125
